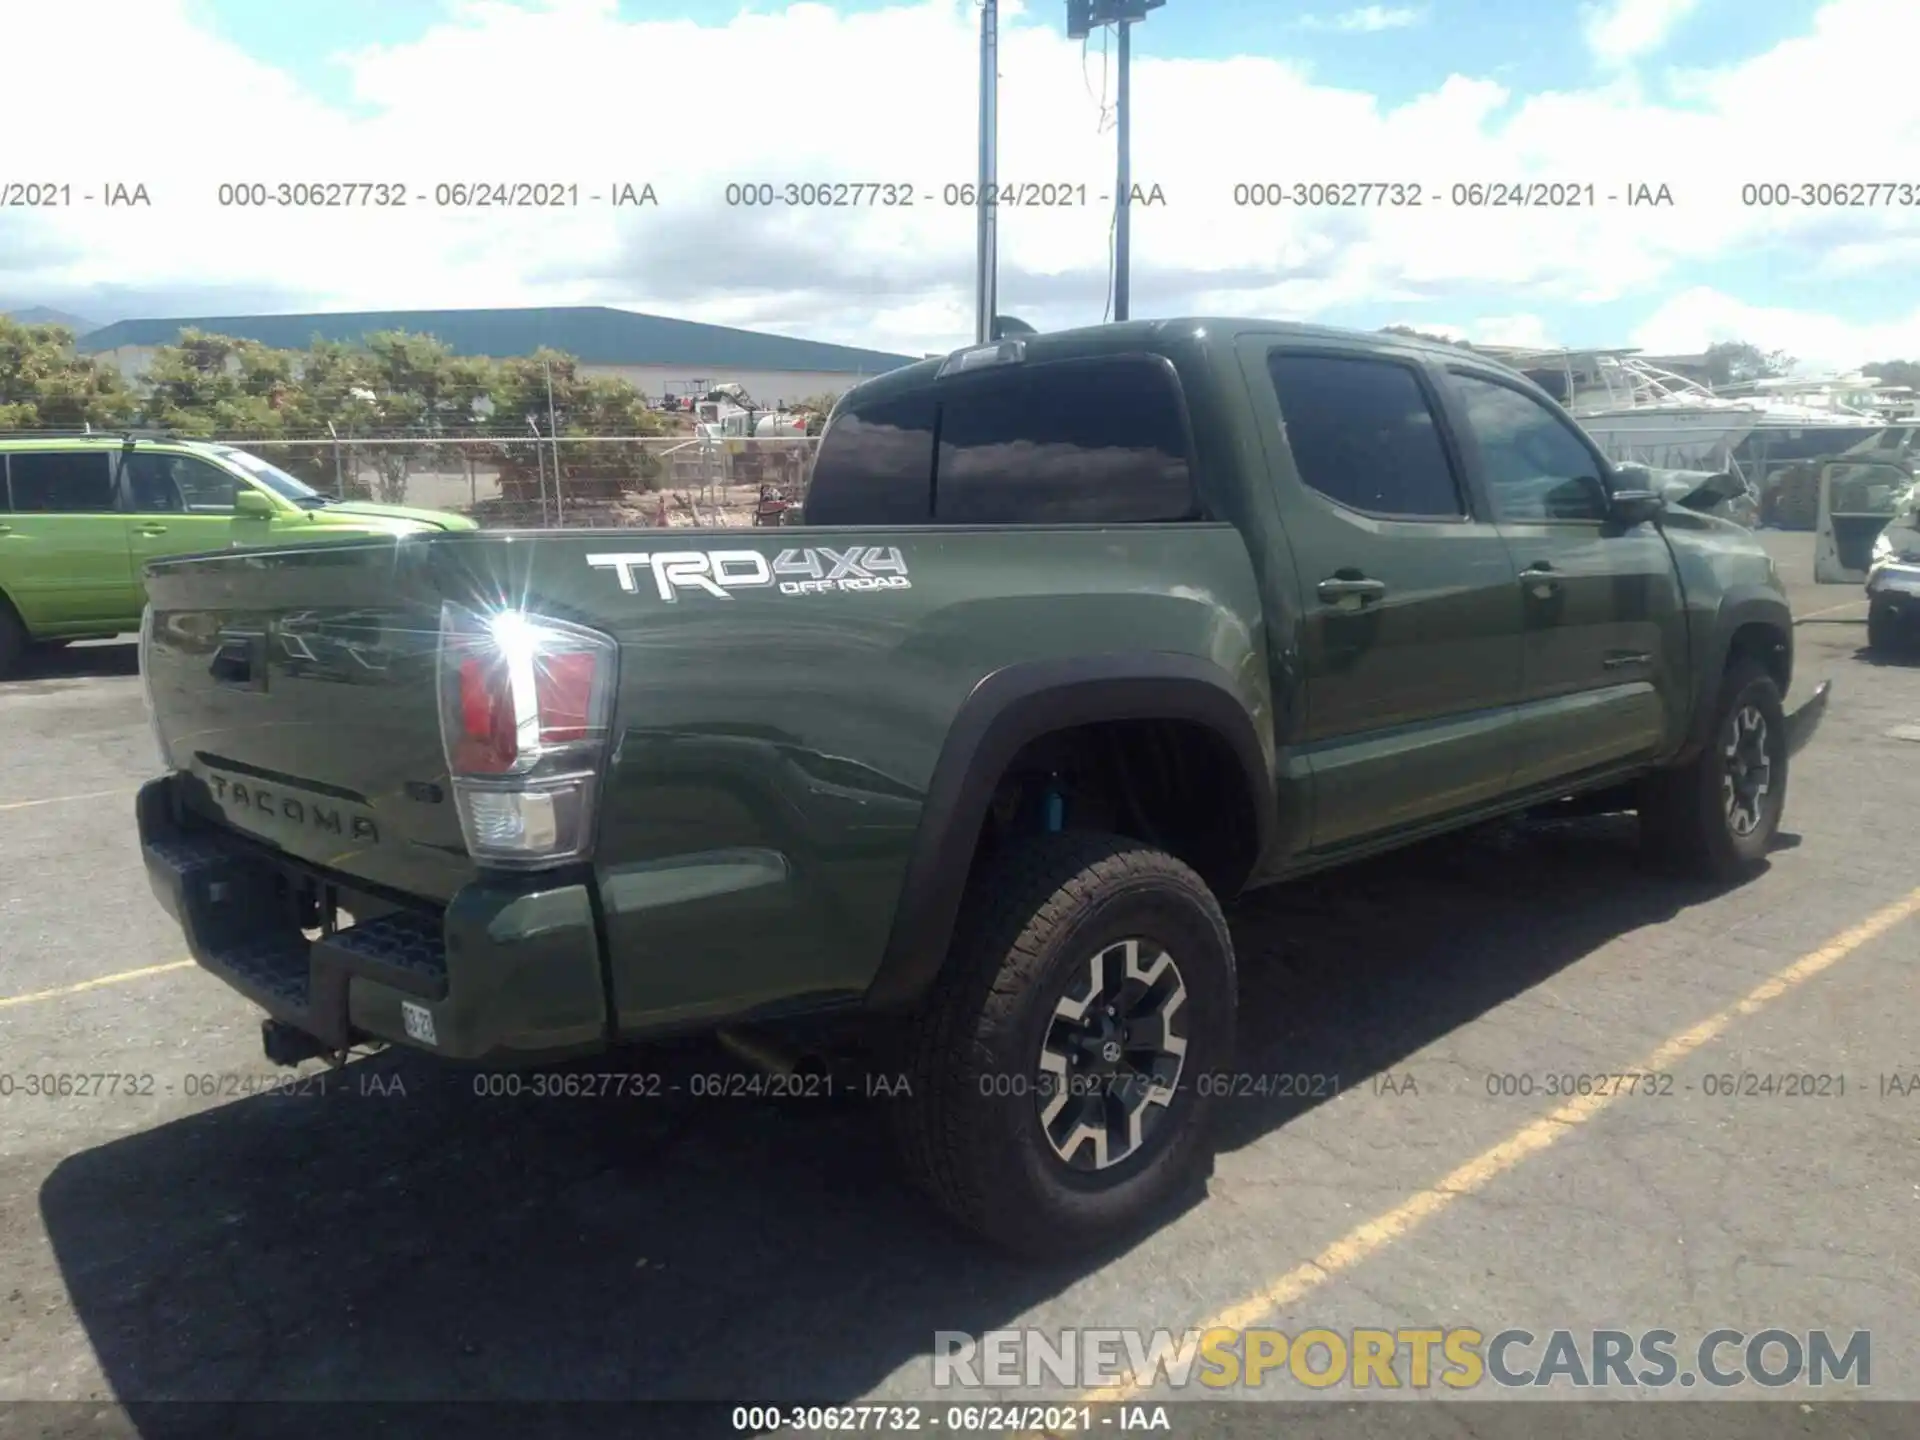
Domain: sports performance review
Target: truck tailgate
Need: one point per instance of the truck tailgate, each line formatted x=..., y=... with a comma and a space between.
x=295, y=692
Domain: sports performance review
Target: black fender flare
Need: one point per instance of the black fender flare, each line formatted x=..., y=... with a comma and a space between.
x=1746, y=605
x=1005, y=711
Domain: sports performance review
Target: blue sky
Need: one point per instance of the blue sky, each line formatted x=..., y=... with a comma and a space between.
x=1533, y=43
x=1698, y=93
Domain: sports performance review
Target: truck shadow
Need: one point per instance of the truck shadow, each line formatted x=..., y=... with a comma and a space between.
x=88, y=660
x=1343, y=977
x=400, y=1236
x=1905, y=659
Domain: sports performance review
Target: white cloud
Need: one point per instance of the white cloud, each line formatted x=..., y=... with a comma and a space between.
x=1621, y=30
x=1529, y=330
x=1366, y=20
x=1696, y=318
x=567, y=91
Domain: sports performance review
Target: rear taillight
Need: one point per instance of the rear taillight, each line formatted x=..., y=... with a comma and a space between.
x=525, y=704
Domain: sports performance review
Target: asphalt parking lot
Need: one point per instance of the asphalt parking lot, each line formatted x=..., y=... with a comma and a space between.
x=384, y=1233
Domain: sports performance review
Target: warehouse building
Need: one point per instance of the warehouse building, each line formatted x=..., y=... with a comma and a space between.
x=656, y=355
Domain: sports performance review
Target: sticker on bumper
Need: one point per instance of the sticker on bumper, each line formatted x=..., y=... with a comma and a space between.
x=419, y=1022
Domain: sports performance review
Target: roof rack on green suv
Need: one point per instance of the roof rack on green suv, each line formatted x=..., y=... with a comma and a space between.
x=88, y=432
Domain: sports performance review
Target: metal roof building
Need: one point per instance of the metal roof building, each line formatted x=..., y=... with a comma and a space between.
x=651, y=351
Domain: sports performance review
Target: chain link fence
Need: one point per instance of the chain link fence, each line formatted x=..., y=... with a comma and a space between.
x=526, y=481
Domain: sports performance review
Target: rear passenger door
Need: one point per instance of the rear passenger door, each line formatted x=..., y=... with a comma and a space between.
x=1411, y=644
x=1603, y=674
x=63, y=551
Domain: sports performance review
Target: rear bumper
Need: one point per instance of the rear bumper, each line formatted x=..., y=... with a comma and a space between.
x=508, y=972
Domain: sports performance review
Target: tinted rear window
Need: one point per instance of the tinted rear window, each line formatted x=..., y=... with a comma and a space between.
x=875, y=465
x=1069, y=442
x=79, y=481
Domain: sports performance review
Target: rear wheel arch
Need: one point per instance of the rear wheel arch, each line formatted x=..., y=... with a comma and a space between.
x=1089, y=704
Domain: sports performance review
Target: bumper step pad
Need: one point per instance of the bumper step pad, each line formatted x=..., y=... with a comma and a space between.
x=234, y=905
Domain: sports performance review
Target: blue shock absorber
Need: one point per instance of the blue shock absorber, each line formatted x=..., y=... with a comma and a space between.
x=1056, y=811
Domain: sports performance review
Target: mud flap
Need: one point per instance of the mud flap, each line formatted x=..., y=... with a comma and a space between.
x=1803, y=722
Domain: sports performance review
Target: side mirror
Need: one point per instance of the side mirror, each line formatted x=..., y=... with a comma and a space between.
x=1634, y=507
x=250, y=504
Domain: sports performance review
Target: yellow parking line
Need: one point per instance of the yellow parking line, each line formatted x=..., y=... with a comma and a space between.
x=8, y=1001
x=1845, y=605
x=1372, y=1236
x=62, y=799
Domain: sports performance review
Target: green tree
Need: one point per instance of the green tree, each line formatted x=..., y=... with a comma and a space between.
x=421, y=383
x=45, y=384
x=1735, y=362
x=207, y=385
x=336, y=387
x=580, y=405
x=1409, y=330
x=391, y=383
x=1895, y=372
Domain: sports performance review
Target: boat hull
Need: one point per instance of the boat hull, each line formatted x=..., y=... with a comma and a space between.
x=1783, y=444
x=1669, y=439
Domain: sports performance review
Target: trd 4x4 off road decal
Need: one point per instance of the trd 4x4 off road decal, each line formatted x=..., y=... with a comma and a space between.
x=796, y=572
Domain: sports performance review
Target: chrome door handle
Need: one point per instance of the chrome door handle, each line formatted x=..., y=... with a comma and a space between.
x=1540, y=580
x=152, y=530
x=1338, y=588
x=6, y=529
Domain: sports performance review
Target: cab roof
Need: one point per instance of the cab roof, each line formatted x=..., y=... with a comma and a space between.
x=1153, y=336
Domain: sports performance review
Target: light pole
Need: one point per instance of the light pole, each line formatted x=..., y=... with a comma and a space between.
x=987, y=240
x=1083, y=18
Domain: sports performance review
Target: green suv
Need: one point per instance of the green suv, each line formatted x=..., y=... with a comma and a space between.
x=80, y=516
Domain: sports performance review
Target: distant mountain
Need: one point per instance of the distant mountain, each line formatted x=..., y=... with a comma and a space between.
x=41, y=315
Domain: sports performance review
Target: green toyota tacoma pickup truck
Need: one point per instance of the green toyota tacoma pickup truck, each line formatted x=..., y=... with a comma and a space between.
x=1083, y=634
x=81, y=514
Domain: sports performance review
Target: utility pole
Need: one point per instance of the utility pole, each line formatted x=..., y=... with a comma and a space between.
x=539, y=459
x=987, y=264
x=1083, y=18
x=553, y=429
x=1123, y=135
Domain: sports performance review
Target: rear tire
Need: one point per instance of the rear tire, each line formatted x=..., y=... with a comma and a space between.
x=1715, y=818
x=1883, y=629
x=1058, y=1071
x=13, y=640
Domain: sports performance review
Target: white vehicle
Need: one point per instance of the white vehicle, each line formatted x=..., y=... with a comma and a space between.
x=1860, y=503
x=1869, y=531
x=727, y=412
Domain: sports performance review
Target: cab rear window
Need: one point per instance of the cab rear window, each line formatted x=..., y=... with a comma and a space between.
x=875, y=465
x=1101, y=441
